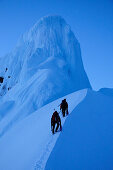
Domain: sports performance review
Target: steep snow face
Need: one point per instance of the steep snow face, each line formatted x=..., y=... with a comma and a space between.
x=54, y=47
x=86, y=141
x=45, y=64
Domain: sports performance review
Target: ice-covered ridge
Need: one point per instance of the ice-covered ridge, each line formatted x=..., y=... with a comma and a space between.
x=30, y=141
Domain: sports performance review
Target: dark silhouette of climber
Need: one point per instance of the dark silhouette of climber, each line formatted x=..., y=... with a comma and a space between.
x=64, y=107
x=1, y=79
x=55, y=119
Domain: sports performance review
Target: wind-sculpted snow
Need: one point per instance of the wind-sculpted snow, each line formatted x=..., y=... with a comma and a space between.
x=49, y=44
x=28, y=144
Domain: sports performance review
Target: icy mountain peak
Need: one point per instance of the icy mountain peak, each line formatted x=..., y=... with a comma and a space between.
x=50, y=42
x=45, y=65
x=46, y=26
x=53, y=36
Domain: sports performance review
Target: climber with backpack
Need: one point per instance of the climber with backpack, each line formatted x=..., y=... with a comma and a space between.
x=55, y=119
x=64, y=107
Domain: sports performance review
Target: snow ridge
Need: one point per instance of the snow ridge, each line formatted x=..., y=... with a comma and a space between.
x=31, y=138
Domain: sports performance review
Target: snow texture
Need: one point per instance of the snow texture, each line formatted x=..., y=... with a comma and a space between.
x=86, y=141
x=28, y=144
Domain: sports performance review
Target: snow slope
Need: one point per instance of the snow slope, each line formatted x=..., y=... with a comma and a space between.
x=28, y=144
x=86, y=141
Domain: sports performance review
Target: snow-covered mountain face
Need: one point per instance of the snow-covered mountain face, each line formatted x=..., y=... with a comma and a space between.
x=45, y=65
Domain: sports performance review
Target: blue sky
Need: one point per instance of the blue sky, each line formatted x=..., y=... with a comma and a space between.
x=91, y=21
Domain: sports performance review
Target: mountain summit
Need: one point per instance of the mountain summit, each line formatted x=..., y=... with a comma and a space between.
x=46, y=64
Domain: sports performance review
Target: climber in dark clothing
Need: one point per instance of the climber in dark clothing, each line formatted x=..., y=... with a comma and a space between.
x=53, y=123
x=64, y=107
x=55, y=120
